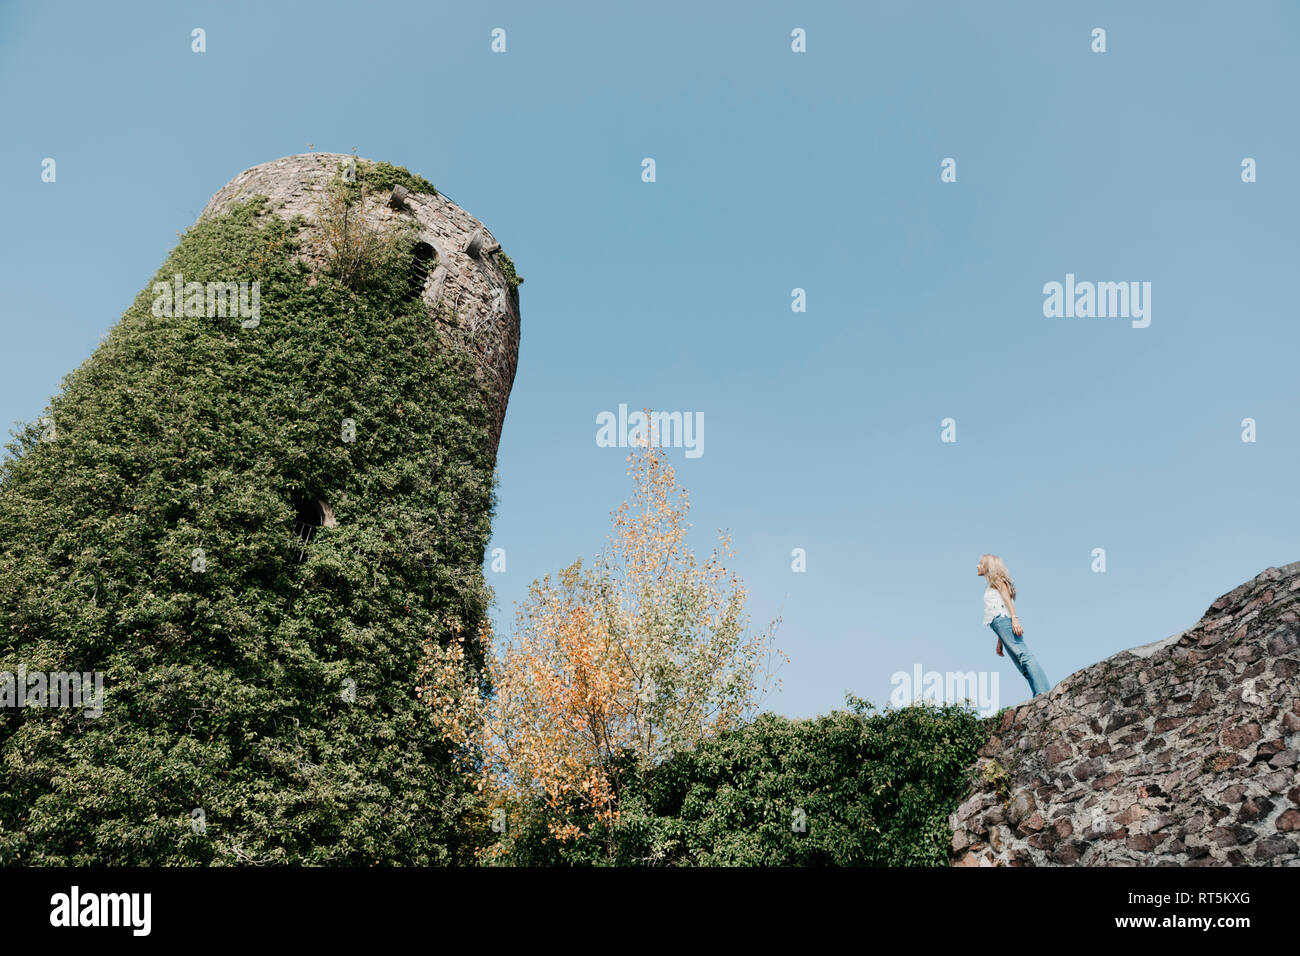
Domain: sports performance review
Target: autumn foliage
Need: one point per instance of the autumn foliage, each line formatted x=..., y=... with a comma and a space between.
x=640, y=656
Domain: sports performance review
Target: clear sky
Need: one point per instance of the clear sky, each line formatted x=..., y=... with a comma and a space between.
x=775, y=170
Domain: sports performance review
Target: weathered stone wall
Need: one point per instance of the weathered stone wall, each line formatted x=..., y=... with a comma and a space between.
x=470, y=289
x=1177, y=753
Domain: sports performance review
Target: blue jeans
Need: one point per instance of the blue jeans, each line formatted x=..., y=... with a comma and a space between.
x=1020, y=655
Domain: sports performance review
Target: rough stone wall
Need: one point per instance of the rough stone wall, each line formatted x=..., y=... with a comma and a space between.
x=474, y=297
x=1177, y=753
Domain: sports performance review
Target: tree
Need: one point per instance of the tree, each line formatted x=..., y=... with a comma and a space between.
x=643, y=655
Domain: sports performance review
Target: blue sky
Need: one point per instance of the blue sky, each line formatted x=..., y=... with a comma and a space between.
x=775, y=170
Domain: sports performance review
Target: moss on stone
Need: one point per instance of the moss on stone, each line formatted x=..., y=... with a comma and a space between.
x=507, y=267
x=377, y=176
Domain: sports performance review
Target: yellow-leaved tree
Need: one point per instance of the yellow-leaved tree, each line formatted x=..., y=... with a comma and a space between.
x=647, y=651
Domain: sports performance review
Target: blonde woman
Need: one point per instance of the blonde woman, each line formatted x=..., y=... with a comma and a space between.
x=1000, y=614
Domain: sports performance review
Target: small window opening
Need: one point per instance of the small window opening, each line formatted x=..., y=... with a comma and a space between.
x=421, y=262
x=311, y=514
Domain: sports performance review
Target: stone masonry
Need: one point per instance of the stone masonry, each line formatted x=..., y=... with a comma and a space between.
x=466, y=286
x=1179, y=753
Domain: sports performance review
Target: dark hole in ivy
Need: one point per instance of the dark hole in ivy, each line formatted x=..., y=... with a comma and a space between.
x=310, y=514
x=421, y=260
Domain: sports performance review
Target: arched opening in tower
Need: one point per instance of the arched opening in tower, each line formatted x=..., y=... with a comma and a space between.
x=310, y=514
x=422, y=260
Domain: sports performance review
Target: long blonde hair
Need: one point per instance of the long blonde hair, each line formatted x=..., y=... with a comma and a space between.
x=995, y=572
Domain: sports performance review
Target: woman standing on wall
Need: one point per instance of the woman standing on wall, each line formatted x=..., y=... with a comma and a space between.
x=1000, y=614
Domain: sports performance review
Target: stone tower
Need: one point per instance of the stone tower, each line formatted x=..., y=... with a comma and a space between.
x=465, y=279
x=245, y=551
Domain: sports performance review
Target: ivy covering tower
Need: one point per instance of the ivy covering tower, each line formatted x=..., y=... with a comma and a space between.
x=253, y=518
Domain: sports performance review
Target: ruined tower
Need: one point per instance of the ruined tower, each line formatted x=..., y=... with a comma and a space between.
x=256, y=517
x=469, y=278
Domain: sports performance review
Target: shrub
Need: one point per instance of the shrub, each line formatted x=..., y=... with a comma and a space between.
x=849, y=789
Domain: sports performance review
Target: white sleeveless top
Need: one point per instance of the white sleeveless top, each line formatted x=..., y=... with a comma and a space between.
x=994, y=605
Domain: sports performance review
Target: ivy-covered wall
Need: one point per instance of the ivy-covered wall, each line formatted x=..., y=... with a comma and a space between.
x=259, y=701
